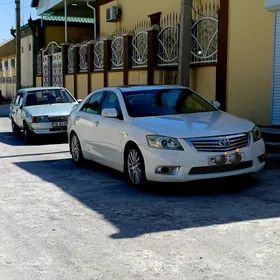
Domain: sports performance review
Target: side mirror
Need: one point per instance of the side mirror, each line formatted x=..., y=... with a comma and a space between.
x=109, y=113
x=217, y=104
x=80, y=100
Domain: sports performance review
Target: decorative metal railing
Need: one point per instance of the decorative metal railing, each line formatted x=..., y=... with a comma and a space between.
x=117, y=48
x=98, y=53
x=83, y=52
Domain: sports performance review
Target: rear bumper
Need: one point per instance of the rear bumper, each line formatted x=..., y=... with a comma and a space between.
x=46, y=128
x=47, y=131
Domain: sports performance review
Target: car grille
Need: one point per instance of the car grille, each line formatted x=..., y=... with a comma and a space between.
x=219, y=143
x=216, y=169
x=58, y=118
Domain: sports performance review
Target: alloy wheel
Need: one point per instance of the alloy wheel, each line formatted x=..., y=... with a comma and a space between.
x=75, y=148
x=134, y=167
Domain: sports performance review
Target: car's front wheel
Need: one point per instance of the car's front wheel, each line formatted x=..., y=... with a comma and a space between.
x=15, y=128
x=135, y=167
x=75, y=149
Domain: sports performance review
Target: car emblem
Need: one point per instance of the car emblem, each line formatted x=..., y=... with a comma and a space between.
x=225, y=142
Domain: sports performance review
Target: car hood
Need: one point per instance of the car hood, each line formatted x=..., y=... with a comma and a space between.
x=195, y=125
x=60, y=109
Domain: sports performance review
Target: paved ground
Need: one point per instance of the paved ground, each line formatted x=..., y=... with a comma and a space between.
x=60, y=222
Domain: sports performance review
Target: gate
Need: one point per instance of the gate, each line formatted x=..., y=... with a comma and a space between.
x=52, y=65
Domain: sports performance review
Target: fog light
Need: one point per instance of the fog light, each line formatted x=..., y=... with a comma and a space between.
x=235, y=158
x=220, y=160
x=167, y=170
x=261, y=158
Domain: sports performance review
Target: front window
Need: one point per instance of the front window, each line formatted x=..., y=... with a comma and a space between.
x=159, y=102
x=48, y=96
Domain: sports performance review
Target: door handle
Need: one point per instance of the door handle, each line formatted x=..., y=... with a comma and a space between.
x=77, y=119
x=96, y=123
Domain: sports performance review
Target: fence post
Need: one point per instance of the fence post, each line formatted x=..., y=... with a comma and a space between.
x=76, y=68
x=90, y=63
x=42, y=63
x=107, y=59
x=127, y=57
x=65, y=47
x=152, y=52
x=221, y=69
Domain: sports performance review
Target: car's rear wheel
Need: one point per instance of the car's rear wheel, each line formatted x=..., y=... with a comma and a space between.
x=29, y=136
x=15, y=128
x=135, y=167
x=75, y=149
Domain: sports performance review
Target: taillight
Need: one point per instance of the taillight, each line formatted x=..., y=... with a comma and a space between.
x=34, y=119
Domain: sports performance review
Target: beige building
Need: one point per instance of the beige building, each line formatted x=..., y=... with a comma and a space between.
x=7, y=68
x=231, y=56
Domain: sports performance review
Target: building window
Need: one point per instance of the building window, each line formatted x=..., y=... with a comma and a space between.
x=30, y=47
x=21, y=49
x=13, y=63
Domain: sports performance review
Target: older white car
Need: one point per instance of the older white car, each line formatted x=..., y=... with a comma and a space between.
x=42, y=110
x=163, y=133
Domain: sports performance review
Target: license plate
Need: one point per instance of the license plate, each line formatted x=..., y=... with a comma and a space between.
x=59, y=124
x=211, y=160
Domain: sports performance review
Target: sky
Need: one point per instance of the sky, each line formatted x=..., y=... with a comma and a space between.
x=8, y=16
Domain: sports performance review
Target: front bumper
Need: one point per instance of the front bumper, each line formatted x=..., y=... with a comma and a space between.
x=194, y=165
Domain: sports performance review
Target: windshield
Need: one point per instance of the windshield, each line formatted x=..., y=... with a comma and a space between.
x=147, y=103
x=48, y=96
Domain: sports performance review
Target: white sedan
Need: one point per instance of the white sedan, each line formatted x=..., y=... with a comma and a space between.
x=163, y=134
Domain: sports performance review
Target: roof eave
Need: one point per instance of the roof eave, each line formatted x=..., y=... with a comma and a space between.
x=34, y=3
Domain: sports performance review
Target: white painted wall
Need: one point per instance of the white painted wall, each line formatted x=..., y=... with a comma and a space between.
x=272, y=5
x=27, y=61
x=45, y=5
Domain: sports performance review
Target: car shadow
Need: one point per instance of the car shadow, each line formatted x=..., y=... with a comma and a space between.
x=4, y=110
x=159, y=207
x=11, y=139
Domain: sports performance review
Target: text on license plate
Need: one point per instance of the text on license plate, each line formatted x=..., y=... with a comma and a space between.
x=211, y=159
x=59, y=124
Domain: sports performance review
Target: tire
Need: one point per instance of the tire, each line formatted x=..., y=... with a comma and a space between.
x=135, y=167
x=76, y=150
x=15, y=128
x=28, y=135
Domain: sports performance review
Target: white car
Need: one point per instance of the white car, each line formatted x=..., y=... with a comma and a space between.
x=41, y=110
x=163, y=134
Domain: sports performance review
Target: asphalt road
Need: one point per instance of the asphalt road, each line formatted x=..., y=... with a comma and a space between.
x=62, y=222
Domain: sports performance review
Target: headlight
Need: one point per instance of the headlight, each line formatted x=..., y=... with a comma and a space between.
x=164, y=142
x=257, y=134
x=42, y=119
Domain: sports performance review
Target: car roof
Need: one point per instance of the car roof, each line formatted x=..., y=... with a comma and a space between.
x=131, y=88
x=40, y=88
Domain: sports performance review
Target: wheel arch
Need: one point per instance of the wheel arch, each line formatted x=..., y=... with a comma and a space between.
x=129, y=144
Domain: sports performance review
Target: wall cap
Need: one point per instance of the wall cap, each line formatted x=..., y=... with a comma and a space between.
x=272, y=5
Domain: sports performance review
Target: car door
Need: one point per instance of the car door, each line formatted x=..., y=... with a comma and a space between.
x=87, y=123
x=108, y=138
x=20, y=114
x=14, y=108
